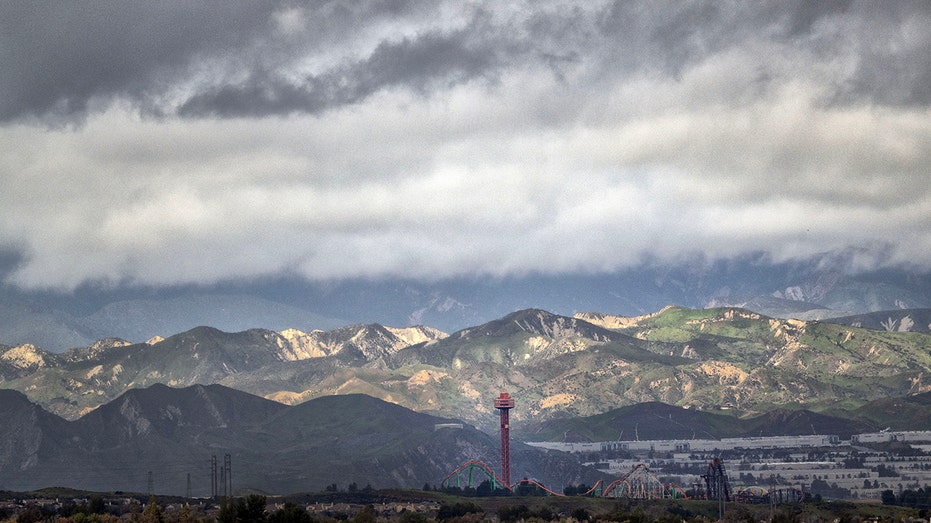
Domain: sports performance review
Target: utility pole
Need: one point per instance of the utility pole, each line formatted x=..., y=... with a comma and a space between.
x=150, y=484
x=772, y=497
x=720, y=489
x=187, y=492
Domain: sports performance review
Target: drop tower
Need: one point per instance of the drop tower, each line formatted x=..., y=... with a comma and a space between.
x=505, y=403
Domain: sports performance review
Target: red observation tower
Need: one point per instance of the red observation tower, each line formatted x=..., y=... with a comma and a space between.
x=505, y=403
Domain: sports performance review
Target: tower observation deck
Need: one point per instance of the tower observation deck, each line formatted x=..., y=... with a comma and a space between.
x=505, y=403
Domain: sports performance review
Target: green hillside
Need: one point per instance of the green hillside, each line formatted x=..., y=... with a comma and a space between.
x=659, y=421
x=556, y=367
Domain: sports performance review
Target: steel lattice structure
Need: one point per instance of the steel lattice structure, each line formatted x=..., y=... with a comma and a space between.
x=475, y=472
x=642, y=483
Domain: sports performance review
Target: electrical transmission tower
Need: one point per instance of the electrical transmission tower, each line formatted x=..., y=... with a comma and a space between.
x=213, y=477
x=228, y=474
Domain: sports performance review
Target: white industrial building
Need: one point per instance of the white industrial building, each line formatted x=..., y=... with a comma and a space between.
x=887, y=436
x=696, y=445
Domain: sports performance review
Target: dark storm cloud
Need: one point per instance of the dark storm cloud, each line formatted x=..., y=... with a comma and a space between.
x=226, y=140
x=890, y=39
x=894, y=56
x=431, y=60
x=58, y=56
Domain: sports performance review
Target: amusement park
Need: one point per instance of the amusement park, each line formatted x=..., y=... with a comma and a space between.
x=639, y=483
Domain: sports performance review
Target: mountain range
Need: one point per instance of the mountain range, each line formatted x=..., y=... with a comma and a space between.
x=556, y=366
x=808, y=290
x=300, y=410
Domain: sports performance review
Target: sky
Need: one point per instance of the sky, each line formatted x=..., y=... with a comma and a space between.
x=177, y=143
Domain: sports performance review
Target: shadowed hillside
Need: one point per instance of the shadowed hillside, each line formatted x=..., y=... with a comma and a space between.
x=167, y=435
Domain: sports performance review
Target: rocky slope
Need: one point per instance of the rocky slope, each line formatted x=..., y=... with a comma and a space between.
x=73, y=383
x=908, y=320
x=368, y=341
x=556, y=366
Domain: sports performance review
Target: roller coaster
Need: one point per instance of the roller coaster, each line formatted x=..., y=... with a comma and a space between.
x=716, y=485
x=642, y=483
x=639, y=483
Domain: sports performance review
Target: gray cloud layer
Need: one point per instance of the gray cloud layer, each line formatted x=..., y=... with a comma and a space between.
x=166, y=143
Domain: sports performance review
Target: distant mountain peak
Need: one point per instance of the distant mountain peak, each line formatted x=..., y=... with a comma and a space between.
x=26, y=356
x=108, y=343
x=161, y=408
x=539, y=322
x=417, y=334
x=612, y=321
x=370, y=340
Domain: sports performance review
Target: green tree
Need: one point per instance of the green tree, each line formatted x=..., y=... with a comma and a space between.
x=152, y=512
x=252, y=509
x=31, y=515
x=576, y=490
x=580, y=514
x=412, y=516
x=888, y=497
x=290, y=513
x=366, y=515
x=83, y=517
x=456, y=510
x=513, y=513
x=483, y=489
x=227, y=512
x=186, y=516
x=886, y=472
x=97, y=505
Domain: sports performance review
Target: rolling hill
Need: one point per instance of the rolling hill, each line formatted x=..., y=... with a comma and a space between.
x=658, y=421
x=170, y=436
